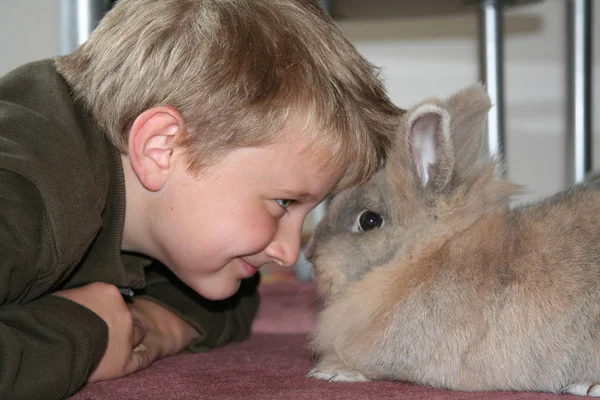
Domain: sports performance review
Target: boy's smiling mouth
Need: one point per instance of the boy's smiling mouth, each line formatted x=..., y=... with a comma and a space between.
x=249, y=268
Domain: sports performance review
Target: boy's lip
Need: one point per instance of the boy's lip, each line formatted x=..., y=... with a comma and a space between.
x=251, y=269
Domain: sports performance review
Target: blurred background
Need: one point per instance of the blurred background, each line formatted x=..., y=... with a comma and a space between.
x=422, y=49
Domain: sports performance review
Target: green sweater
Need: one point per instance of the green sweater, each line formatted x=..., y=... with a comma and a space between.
x=62, y=205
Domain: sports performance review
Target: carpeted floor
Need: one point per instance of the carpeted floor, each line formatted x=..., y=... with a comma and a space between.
x=272, y=364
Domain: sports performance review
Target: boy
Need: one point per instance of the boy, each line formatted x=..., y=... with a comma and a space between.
x=196, y=133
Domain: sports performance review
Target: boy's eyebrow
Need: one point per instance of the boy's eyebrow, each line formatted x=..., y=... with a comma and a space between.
x=296, y=195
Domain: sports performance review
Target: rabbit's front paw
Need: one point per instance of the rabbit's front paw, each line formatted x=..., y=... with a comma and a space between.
x=583, y=389
x=336, y=373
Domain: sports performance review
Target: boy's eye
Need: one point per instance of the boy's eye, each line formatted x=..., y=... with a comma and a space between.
x=284, y=203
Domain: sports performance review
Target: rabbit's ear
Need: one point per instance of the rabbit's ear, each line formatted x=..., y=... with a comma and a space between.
x=430, y=145
x=469, y=109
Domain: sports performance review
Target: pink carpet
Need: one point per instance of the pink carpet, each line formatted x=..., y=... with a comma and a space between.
x=272, y=364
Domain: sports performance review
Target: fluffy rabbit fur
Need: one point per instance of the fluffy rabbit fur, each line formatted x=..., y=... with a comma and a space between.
x=429, y=276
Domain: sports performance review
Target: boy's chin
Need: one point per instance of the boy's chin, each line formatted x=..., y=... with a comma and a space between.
x=217, y=291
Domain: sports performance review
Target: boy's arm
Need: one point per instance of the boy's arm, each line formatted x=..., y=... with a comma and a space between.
x=216, y=322
x=49, y=345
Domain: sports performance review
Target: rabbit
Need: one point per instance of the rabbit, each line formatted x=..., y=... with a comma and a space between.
x=430, y=274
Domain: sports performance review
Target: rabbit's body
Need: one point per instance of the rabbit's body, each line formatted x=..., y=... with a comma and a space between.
x=455, y=289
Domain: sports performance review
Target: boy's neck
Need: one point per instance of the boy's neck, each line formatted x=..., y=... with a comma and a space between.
x=136, y=207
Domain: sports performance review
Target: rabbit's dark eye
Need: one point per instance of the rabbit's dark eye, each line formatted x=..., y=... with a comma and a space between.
x=369, y=220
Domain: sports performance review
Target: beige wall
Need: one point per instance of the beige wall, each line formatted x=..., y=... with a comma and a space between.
x=419, y=57
x=28, y=31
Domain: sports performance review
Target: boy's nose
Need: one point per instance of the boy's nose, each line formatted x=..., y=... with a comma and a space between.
x=285, y=247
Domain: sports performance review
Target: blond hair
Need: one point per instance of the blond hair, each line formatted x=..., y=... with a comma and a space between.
x=238, y=71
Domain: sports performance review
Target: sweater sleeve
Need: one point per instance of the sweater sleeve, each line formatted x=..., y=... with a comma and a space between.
x=218, y=322
x=48, y=345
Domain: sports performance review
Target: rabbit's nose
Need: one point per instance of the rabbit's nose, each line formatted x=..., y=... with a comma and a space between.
x=309, y=250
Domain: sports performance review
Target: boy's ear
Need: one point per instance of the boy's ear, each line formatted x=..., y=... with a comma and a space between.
x=430, y=146
x=152, y=139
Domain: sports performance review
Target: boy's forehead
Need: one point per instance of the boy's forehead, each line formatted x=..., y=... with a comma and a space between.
x=311, y=172
x=322, y=150
x=309, y=137
x=322, y=154
x=304, y=160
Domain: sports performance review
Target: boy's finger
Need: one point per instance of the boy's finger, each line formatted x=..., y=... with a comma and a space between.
x=139, y=332
x=140, y=358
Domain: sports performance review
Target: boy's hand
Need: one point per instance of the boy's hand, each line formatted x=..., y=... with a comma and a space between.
x=167, y=335
x=124, y=331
